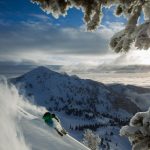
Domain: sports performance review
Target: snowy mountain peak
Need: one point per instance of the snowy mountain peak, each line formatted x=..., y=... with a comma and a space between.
x=40, y=70
x=60, y=91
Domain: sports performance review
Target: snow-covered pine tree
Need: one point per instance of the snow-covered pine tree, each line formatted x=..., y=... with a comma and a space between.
x=138, y=131
x=139, y=34
x=91, y=140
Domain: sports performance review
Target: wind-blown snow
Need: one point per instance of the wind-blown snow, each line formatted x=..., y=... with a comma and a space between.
x=22, y=127
x=11, y=137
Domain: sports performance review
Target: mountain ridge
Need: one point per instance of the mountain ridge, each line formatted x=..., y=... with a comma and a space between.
x=47, y=73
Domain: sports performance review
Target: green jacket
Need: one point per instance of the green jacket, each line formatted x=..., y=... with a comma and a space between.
x=48, y=117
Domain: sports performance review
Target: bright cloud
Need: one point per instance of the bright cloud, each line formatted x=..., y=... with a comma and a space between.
x=35, y=41
x=46, y=44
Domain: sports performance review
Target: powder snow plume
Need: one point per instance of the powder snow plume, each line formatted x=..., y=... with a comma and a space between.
x=12, y=108
x=11, y=137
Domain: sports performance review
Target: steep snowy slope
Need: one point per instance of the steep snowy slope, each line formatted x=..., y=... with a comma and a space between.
x=22, y=127
x=80, y=104
x=40, y=136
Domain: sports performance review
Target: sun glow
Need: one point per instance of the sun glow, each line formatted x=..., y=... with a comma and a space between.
x=134, y=57
x=140, y=57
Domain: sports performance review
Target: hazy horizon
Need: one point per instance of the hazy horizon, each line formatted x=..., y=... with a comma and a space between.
x=133, y=74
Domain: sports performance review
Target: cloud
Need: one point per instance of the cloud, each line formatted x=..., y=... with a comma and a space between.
x=40, y=39
x=40, y=17
x=134, y=57
x=39, y=42
x=11, y=69
x=108, y=30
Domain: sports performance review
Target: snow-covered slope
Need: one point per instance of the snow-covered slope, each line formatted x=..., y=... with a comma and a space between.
x=22, y=127
x=42, y=137
x=80, y=104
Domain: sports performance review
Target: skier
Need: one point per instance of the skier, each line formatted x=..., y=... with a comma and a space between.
x=53, y=121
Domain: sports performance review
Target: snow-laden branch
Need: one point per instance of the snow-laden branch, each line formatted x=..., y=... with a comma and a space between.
x=138, y=131
x=92, y=10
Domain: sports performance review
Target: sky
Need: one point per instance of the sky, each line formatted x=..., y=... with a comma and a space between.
x=30, y=37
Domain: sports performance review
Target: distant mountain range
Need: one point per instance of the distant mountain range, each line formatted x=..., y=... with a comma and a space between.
x=83, y=104
x=121, y=69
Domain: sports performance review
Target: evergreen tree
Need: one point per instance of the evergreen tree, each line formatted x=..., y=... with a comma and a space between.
x=91, y=140
x=138, y=131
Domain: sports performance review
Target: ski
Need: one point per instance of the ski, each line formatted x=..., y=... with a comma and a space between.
x=60, y=133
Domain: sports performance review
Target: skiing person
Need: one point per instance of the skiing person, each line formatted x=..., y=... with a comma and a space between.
x=53, y=121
